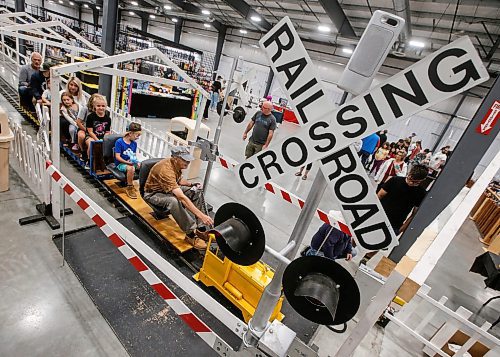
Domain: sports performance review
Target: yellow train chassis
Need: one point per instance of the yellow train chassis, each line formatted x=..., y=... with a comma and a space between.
x=242, y=285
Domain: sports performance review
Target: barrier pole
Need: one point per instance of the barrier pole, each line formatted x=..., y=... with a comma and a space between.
x=219, y=125
x=63, y=227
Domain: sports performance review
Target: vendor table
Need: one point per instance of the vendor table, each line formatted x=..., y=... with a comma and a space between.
x=160, y=105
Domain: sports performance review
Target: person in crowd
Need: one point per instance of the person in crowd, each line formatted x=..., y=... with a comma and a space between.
x=46, y=95
x=422, y=158
x=392, y=152
x=370, y=143
x=383, y=137
x=166, y=188
x=263, y=123
x=391, y=168
x=400, y=145
x=69, y=112
x=38, y=81
x=331, y=242
x=381, y=155
x=411, y=137
x=308, y=168
x=438, y=160
x=25, y=73
x=215, y=90
x=416, y=148
x=126, y=158
x=400, y=197
x=98, y=122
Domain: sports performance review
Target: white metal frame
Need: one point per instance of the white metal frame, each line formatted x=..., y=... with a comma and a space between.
x=455, y=320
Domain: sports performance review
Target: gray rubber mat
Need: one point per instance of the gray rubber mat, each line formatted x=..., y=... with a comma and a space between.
x=142, y=321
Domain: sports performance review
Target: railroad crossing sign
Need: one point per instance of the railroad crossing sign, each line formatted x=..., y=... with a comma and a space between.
x=326, y=133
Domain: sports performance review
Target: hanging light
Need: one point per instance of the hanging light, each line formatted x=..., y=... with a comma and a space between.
x=255, y=18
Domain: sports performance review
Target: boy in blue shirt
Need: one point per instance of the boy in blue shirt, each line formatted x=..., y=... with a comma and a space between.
x=125, y=156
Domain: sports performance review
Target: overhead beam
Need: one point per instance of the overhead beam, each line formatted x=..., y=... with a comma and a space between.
x=338, y=17
x=193, y=9
x=246, y=11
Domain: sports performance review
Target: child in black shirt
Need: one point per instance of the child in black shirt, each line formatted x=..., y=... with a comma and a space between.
x=98, y=122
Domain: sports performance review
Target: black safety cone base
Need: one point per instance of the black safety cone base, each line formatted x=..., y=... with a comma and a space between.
x=311, y=308
x=243, y=243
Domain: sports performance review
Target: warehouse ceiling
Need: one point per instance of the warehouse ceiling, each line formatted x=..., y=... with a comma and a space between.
x=431, y=23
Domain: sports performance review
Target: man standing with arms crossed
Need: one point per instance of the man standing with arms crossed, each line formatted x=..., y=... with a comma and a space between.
x=263, y=124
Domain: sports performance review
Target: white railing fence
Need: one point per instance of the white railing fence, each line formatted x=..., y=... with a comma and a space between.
x=151, y=144
x=437, y=326
x=30, y=156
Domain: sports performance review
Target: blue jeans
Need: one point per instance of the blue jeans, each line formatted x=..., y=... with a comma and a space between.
x=214, y=99
x=26, y=97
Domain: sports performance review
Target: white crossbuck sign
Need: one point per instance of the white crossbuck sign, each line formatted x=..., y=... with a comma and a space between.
x=326, y=133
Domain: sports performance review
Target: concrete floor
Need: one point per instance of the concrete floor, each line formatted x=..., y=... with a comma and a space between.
x=45, y=310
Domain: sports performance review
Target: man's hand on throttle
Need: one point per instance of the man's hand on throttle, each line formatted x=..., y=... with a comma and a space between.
x=206, y=220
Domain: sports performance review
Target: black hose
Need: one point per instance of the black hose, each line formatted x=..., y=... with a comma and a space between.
x=342, y=330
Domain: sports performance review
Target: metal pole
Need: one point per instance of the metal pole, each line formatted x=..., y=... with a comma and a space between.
x=63, y=226
x=219, y=125
x=258, y=323
x=55, y=140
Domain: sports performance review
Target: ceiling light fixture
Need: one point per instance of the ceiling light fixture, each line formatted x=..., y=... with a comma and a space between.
x=207, y=25
x=71, y=3
x=61, y=2
x=86, y=5
x=347, y=50
x=205, y=12
x=167, y=7
x=323, y=28
x=255, y=18
x=131, y=13
x=98, y=7
x=175, y=20
x=151, y=16
x=135, y=3
x=418, y=44
x=243, y=31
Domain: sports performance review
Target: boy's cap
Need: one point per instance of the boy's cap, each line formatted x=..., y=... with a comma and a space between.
x=46, y=66
x=182, y=152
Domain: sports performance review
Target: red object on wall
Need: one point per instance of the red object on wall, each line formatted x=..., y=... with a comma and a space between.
x=288, y=114
x=489, y=119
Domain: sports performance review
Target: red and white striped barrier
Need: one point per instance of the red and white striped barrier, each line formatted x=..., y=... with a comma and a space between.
x=289, y=197
x=107, y=225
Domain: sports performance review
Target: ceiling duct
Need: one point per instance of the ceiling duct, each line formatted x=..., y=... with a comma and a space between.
x=402, y=9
